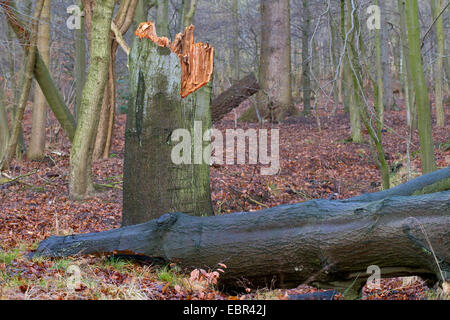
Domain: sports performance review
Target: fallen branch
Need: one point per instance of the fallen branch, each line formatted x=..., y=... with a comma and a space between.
x=12, y=179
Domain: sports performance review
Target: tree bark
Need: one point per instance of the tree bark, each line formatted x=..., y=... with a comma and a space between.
x=306, y=59
x=329, y=244
x=420, y=88
x=380, y=67
x=37, y=140
x=236, y=66
x=163, y=99
x=122, y=22
x=42, y=76
x=4, y=126
x=25, y=92
x=162, y=18
x=411, y=110
x=275, y=97
x=233, y=97
x=80, y=62
x=436, y=7
x=189, y=12
x=354, y=98
x=388, y=95
x=80, y=178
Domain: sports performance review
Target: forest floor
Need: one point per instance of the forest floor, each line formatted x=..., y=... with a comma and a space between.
x=313, y=165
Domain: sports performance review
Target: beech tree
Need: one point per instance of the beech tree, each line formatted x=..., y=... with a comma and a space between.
x=164, y=78
x=437, y=7
x=120, y=24
x=420, y=87
x=41, y=73
x=80, y=178
x=25, y=91
x=4, y=126
x=36, y=148
x=275, y=97
x=306, y=59
x=80, y=61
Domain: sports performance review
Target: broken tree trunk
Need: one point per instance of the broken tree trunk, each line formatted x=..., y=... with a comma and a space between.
x=164, y=79
x=329, y=244
x=233, y=97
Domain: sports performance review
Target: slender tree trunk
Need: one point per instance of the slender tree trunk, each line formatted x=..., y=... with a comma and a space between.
x=407, y=77
x=233, y=97
x=420, y=87
x=25, y=92
x=80, y=62
x=189, y=12
x=4, y=127
x=437, y=6
x=236, y=66
x=162, y=18
x=354, y=99
x=141, y=12
x=80, y=180
x=275, y=97
x=334, y=62
x=346, y=88
x=42, y=75
x=122, y=21
x=388, y=95
x=36, y=148
x=380, y=67
x=155, y=115
x=306, y=59
x=108, y=106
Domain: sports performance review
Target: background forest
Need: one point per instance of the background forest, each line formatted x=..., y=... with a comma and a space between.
x=359, y=90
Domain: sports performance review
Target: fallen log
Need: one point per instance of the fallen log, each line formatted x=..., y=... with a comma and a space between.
x=233, y=97
x=328, y=244
x=429, y=183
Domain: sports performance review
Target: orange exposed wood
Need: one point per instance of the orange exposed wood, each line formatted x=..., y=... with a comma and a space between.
x=196, y=59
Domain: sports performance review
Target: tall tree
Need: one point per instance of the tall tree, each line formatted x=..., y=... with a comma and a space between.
x=80, y=179
x=306, y=58
x=275, y=98
x=388, y=95
x=4, y=127
x=189, y=12
x=420, y=87
x=162, y=18
x=24, y=94
x=141, y=12
x=120, y=24
x=37, y=140
x=236, y=65
x=411, y=110
x=380, y=67
x=80, y=62
x=437, y=6
x=353, y=92
x=41, y=72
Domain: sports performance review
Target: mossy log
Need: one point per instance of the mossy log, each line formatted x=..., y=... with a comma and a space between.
x=329, y=244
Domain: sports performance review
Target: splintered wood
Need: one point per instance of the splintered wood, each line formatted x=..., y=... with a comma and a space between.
x=196, y=59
